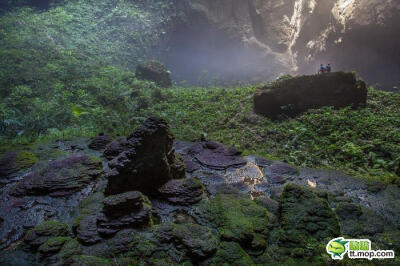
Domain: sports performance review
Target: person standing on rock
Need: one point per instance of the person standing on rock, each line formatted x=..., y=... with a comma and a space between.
x=328, y=68
x=321, y=69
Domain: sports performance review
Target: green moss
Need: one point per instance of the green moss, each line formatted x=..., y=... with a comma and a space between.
x=84, y=260
x=70, y=248
x=53, y=244
x=25, y=159
x=51, y=228
x=239, y=219
x=307, y=222
x=230, y=253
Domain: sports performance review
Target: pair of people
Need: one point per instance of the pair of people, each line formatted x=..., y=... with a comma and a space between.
x=325, y=69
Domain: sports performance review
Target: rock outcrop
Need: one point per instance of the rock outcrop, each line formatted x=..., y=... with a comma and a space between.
x=292, y=96
x=145, y=160
x=99, y=142
x=127, y=210
x=12, y=162
x=59, y=178
x=258, y=39
x=154, y=71
x=182, y=191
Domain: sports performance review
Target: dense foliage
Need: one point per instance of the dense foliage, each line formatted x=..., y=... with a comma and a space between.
x=58, y=64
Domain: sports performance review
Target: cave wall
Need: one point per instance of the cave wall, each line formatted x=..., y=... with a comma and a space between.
x=260, y=39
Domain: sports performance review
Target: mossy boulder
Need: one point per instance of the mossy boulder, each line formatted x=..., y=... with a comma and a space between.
x=198, y=240
x=154, y=71
x=293, y=96
x=305, y=217
x=239, y=219
x=53, y=245
x=230, y=253
x=44, y=231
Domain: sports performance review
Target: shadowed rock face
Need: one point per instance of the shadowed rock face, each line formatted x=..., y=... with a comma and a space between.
x=260, y=39
x=146, y=160
x=296, y=95
x=154, y=71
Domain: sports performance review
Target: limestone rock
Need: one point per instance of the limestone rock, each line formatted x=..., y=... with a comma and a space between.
x=182, y=191
x=303, y=215
x=293, y=96
x=154, y=71
x=44, y=231
x=99, y=142
x=12, y=162
x=146, y=160
x=215, y=155
x=59, y=178
x=127, y=210
x=198, y=241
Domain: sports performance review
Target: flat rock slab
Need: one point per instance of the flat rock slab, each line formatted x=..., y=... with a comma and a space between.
x=216, y=156
x=59, y=178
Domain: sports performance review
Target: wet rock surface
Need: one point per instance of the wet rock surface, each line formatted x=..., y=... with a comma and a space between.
x=224, y=209
x=286, y=97
x=59, y=178
x=182, y=191
x=99, y=142
x=127, y=210
x=144, y=161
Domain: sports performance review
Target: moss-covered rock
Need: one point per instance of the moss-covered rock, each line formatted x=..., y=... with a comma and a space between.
x=239, y=219
x=53, y=245
x=69, y=249
x=44, y=231
x=349, y=215
x=230, y=253
x=85, y=224
x=84, y=260
x=25, y=159
x=305, y=219
x=198, y=241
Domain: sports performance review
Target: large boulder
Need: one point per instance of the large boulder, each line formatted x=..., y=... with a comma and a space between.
x=292, y=96
x=145, y=161
x=304, y=216
x=154, y=71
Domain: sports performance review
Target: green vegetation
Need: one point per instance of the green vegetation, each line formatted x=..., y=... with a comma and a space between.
x=68, y=72
x=239, y=219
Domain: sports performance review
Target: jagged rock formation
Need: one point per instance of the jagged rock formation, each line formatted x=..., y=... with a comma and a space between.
x=293, y=96
x=154, y=71
x=229, y=209
x=145, y=160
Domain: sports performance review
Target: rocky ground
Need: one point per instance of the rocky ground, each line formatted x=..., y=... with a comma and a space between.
x=149, y=199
